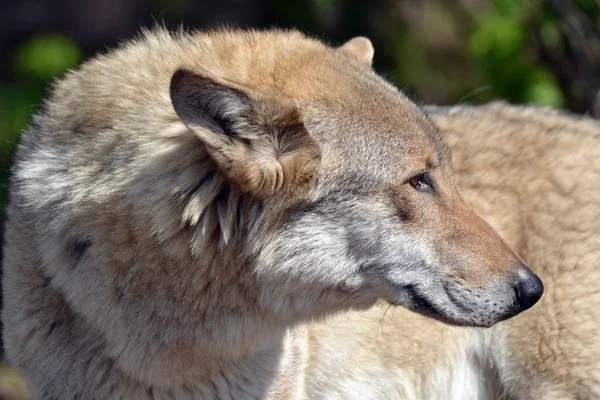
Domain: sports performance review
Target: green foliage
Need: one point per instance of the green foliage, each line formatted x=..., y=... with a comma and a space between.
x=45, y=57
x=590, y=6
x=543, y=89
x=499, y=47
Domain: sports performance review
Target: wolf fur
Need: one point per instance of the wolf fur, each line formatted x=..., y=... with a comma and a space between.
x=187, y=208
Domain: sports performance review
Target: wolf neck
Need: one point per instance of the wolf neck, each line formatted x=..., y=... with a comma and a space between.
x=235, y=353
x=250, y=359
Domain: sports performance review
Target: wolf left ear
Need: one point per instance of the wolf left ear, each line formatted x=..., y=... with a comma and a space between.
x=259, y=143
x=360, y=48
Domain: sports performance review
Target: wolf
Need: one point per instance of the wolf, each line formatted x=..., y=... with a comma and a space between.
x=185, y=209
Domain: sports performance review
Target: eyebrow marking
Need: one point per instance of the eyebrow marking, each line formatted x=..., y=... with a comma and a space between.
x=432, y=161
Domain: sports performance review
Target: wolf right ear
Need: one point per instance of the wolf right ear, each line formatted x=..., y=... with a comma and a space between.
x=259, y=143
x=360, y=48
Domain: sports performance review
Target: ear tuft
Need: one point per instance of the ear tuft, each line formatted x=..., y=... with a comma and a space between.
x=259, y=143
x=360, y=48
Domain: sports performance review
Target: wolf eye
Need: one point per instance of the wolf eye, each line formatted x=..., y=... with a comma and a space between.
x=421, y=182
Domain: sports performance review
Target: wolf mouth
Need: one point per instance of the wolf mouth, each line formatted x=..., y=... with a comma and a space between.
x=422, y=305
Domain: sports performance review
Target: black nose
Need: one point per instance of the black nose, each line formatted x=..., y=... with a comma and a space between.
x=529, y=289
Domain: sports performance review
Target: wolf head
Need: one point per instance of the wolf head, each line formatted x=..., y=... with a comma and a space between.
x=357, y=197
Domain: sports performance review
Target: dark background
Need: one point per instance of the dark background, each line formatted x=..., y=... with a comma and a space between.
x=438, y=51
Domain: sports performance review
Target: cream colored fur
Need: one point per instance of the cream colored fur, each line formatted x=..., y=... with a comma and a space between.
x=186, y=211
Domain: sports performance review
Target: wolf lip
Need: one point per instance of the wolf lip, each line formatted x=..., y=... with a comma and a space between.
x=421, y=305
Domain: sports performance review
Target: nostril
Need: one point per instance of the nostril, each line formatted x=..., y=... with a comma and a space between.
x=529, y=289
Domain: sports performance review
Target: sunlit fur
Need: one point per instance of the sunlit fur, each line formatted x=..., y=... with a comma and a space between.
x=531, y=172
x=185, y=208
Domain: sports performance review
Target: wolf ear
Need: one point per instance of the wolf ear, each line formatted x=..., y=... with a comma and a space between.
x=359, y=48
x=259, y=143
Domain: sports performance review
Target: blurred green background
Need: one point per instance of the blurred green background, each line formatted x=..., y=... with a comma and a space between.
x=438, y=51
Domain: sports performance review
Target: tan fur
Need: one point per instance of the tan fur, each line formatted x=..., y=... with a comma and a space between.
x=359, y=48
x=186, y=207
x=534, y=173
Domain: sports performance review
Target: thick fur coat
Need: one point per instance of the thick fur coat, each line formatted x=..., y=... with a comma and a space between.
x=187, y=208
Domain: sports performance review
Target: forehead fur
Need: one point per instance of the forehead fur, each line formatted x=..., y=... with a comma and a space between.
x=318, y=78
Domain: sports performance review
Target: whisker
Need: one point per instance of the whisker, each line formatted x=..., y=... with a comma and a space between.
x=380, y=325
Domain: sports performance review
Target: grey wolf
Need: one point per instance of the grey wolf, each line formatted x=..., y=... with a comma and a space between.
x=186, y=208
